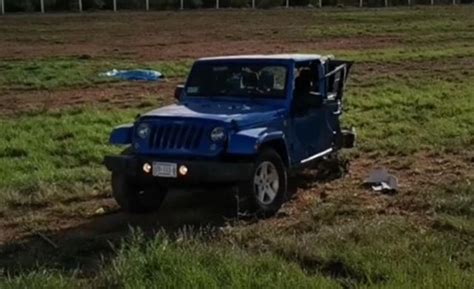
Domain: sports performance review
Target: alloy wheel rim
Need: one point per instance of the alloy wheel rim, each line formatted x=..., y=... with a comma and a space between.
x=266, y=183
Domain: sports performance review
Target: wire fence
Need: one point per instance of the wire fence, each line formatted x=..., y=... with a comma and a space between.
x=44, y=6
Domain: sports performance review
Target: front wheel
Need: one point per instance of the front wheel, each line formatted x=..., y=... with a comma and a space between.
x=266, y=191
x=135, y=198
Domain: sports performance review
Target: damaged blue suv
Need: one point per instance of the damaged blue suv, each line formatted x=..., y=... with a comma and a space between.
x=248, y=121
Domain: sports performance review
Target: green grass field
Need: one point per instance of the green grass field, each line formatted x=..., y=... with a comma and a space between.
x=412, y=103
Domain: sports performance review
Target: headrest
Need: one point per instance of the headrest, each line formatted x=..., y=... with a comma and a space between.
x=250, y=79
x=267, y=80
x=306, y=74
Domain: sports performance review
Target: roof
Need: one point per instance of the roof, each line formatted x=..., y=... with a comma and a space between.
x=292, y=57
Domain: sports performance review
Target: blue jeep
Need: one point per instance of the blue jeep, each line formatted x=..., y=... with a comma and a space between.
x=248, y=121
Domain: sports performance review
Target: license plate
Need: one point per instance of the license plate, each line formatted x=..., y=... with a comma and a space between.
x=165, y=170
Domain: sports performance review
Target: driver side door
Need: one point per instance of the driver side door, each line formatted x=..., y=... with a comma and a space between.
x=336, y=75
x=310, y=126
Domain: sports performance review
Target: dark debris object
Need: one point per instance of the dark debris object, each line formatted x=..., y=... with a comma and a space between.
x=381, y=181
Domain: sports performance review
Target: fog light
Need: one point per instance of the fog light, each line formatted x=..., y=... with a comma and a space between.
x=147, y=168
x=183, y=170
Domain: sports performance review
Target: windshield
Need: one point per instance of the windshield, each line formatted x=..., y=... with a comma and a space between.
x=237, y=80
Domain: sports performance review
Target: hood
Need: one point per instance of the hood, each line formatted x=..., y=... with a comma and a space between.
x=241, y=114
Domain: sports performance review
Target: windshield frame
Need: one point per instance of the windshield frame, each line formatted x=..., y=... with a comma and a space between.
x=221, y=62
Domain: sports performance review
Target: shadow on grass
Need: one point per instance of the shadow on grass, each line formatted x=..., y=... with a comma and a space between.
x=84, y=248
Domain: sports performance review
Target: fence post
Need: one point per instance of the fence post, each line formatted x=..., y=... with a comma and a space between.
x=287, y=3
x=320, y=3
x=253, y=4
x=454, y=2
x=386, y=3
x=80, y=5
x=181, y=4
x=115, y=5
x=42, y=6
x=361, y=3
x=217, y=4
x=409, y=2
x=147, y=5
x=432, y=2
x=3, y=6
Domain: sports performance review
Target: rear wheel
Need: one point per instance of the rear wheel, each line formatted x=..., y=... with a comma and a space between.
x=266, y=191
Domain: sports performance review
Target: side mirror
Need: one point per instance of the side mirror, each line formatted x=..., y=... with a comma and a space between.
x=178, y=91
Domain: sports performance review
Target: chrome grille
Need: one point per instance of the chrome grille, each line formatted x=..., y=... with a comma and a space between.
x=171, y=136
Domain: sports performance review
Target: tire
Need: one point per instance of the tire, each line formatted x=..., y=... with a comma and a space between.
x=133, y=197
x=266, y=191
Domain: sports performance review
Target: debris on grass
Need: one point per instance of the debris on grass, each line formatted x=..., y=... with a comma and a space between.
x=381, y=181
x=134, y=75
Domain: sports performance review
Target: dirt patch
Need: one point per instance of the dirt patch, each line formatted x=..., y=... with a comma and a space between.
x=98, y=216
x=417, y=174
x=118, y=95
x=449, y=69
x=164, y=36
x=96, y=222
x=77, y=238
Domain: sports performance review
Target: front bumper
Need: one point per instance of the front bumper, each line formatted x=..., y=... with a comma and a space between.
x=198, y=171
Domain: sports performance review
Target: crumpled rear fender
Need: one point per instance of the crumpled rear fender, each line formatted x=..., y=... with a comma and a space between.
x=247, y=142
x=121, y=135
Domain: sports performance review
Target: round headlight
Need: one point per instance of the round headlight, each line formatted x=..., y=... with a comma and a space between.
x=143, y=130
x=218, y=134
